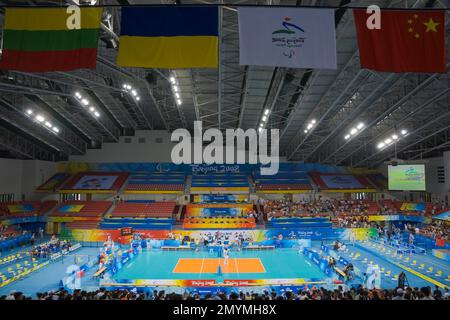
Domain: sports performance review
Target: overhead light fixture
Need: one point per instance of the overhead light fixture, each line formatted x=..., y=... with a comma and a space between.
x=85, y=102
x=360, y=126
x=353, y=131
x=29, y=111
x=404, y=132
x=55, y=129
x=177, y=95
x=138, y=98
x=264, y=118
x=91, y=109
x=266, y=112
x=40, y=118
x=347, y=137
x=313, y=121
x=388, y=141
x=305, y=131
x=48, y=124
x=97, y=114
x=172, y=80
x=381, y=145
x=394, y=136
x=178, y=101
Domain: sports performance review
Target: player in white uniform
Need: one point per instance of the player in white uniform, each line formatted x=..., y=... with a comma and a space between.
x=225, y=256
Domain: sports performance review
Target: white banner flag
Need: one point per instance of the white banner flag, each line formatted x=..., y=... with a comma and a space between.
x=287, y=37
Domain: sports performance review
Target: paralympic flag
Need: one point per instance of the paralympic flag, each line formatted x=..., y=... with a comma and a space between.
x=287, y=37
x=169, y=37
x=408, y=41
x=38, y=40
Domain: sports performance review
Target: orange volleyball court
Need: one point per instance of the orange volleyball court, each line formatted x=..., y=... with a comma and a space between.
x=205, y=265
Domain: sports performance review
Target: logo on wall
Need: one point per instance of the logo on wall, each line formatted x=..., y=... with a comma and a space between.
x=289, y=38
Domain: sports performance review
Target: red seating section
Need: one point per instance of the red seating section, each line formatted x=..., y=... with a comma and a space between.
x=40, y=209
x=94, y=209
x=144, y=210
x=316, y=178
x=155, y=187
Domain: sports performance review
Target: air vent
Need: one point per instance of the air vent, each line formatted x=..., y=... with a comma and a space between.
x=441, y=174
x=141, y=140
x=127, y=140
x=159, y=140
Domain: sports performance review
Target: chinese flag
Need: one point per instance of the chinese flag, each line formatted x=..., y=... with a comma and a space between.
x=408, y=41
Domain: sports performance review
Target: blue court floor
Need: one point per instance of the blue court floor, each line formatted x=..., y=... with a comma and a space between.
x=278, y=264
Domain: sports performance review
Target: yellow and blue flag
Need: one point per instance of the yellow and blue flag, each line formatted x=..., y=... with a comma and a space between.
x=169, y=37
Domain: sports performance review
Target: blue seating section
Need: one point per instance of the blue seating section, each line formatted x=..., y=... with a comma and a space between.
x=140, y=224
x=299, y=223
x=220, y=180
x=156, y=178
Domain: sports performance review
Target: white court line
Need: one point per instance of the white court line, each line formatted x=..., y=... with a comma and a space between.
x=201, y=268
x=236, y=264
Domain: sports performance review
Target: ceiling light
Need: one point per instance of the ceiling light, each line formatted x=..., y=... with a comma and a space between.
x=40, y=118
x=347, y=137
x=403, y=132
x=85, y=102
x=264, y=118
x=48, y=124
x=178, y=101
x=266, y=112
x=394, y=136
x=388, y=140
x=172, y=79
x=30, y=112
x=124, y=86
x=306, y=131
x=78, y=95
x=313, y=121
x=177, y=95
x=353, y=131
x=138, y=98
x=97, y=114
x=91, y=109
x=175, y=88
x=360, y=125
x=380, y=145
x=134, y=92
x=55, y=129
x=260, y=129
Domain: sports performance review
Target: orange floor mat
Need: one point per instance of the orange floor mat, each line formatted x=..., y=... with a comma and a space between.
x=205, y=265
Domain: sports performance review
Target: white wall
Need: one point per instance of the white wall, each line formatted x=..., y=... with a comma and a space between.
x=22, y=177
x=438, y=190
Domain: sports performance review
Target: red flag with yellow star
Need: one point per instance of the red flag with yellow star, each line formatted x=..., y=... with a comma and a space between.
x=408, y=41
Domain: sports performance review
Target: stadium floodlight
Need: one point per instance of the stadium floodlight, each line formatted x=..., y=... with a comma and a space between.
x=97, y=114
x=266, y=112
x=381, y=145
x=404, y=132
x=55, y=129
x=347, y=137
x=40, y=118
x=394, y=137
x=29, y=111
x=48, y=124
x=360, y=126
x=353, y=131
x=85, y=102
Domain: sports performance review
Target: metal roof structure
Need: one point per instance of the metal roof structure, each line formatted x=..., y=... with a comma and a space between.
x=233, y=96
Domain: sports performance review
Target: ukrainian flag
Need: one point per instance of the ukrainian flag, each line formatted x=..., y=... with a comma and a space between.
x=169, y=37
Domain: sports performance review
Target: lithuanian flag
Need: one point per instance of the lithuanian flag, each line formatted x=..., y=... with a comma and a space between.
x=38, y=40
x=169, y=37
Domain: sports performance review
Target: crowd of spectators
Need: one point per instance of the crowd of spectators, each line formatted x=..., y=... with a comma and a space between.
x=314, y=293
x=437, y=230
